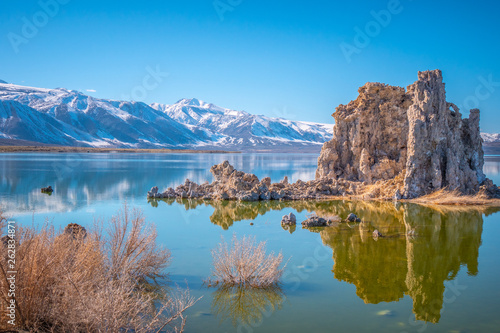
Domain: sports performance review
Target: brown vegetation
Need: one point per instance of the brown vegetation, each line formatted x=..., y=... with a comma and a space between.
x=446, y=197
x=96, y=281
x=244, y=263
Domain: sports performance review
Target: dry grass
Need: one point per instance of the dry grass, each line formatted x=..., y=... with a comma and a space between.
x=382, y=189
x=244, y=263
x=447, y=197
x=98, y=282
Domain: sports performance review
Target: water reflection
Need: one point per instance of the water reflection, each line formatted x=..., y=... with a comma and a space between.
x=386, y=269
x=245, y=306
x=84, y=179
x=227, y=212
x=492, y=168
x=422, y=246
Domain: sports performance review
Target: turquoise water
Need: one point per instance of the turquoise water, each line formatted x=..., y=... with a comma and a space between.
x=338, y=279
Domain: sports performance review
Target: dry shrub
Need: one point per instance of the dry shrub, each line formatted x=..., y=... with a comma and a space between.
x=93, y=282
x=448, y=197
x=243, y=262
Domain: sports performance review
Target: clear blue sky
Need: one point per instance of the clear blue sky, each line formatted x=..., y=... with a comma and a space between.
x=278, y=58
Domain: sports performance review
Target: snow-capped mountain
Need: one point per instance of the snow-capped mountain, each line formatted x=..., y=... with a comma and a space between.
x=65, y=117
x=68, y=117
x=241, y=129
x=491, y=138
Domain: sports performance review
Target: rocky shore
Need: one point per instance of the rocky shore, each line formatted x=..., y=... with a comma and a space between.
x=231, y=184
x=389, y=144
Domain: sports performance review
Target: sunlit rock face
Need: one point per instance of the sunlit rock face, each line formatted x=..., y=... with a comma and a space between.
x=413, y=136
x=369, y=136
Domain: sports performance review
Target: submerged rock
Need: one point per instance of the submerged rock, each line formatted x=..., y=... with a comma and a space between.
x=314, y=221
x=353, y=218
x=386, y=313
x=332, y=219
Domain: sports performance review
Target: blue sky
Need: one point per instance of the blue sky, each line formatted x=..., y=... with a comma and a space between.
x=278, y=58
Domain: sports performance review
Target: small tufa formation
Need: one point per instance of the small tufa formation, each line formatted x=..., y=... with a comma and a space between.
x=320, y=221
x=47, y=189
x=289, y=219
x=353, y=218
x=231, y=184
x=411, y=142
x=314, y=221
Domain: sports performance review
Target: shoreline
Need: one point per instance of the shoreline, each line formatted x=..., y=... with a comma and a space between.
x=28, y=148
x=69, y=149
x=233, y=185
x=463, y=201
x=89, y=150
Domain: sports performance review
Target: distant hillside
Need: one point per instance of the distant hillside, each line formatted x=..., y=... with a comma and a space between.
x=71, y=118
x=492, y=148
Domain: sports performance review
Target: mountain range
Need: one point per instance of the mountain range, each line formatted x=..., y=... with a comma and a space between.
x=491, y=138
x=64, y=117
x=71, y=118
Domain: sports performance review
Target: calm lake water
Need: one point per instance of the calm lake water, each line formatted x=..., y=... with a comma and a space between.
x=339, y=279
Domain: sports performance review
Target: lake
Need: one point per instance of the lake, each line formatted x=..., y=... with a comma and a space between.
x=338, y=279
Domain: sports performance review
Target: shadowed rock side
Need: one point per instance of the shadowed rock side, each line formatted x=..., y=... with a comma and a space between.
x=410, y=142
x=386, y=269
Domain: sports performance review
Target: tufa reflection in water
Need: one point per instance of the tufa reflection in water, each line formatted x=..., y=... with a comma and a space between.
x=422, y=246
x=227, y=212
x=384, y=270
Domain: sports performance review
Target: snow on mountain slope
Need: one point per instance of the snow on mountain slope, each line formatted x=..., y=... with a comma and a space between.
x=88, y=121
x=239, y=128
x=490, y=138
x=68, y=117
